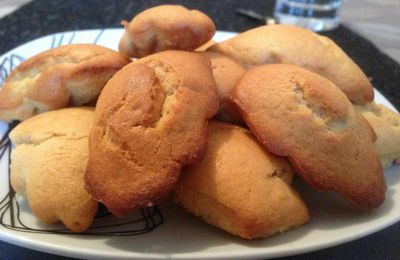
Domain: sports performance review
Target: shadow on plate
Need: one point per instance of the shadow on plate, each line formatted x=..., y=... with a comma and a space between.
x=325, y=206
x=185, y=233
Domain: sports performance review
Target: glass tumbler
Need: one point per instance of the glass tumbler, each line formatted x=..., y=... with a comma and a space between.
x=317, y=15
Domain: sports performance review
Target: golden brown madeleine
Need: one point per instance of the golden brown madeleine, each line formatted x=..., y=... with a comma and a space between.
x=48, y=166
x=240, y=187
x=150, y=120
x=294, y=45
x=70, y=75
x=226, y=73
x=386, y=124
x=206, y=45
x=301, y=115
x=165, y=27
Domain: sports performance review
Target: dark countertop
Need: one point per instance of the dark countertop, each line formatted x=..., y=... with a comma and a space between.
x=45, y=17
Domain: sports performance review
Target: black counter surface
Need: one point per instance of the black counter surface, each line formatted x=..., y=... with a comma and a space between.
x=40, y=18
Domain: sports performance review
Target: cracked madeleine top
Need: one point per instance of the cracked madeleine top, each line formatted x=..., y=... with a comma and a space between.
x=165, y=27
x=294, y=45
x=42, y=127
x=70, y=75
x=150, y=119
x=48, y=165
x=301, y=115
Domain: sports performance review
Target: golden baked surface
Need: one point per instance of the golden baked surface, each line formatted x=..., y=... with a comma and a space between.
x=301, y=115
x=150, y=120
x=240, y=187
x=227, y=73
x=165, y=27
x=70, y=75
x=297, y=92
x=295, y=45
x=205, y=46
x=48, y=165
x=386, y=124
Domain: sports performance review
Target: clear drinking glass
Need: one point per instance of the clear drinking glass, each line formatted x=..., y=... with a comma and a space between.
x=317, y=15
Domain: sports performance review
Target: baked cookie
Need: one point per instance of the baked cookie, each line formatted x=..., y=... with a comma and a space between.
x=240, y=187
x=150, y=120
x=70, y=75
x=226, y=74
x=165, y=27
x=295, y=45
x=206, y=45
x=48, y=166
x=386, y=124
x=305, y=117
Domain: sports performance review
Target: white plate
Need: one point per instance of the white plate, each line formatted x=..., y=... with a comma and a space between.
x=182, y=235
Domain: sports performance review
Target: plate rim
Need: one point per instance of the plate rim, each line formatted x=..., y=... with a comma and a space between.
x=12, y=237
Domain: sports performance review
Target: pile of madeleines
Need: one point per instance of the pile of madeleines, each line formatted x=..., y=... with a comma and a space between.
x=224, y=126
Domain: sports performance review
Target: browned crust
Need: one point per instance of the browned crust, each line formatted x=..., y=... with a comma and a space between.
x=299, y=114
x=48, y=165
x=165, y=27
x=69, y=75
x=294, y=45
x=241, y=188
x=227, y=73
x=150, y=120
x=205, y=46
